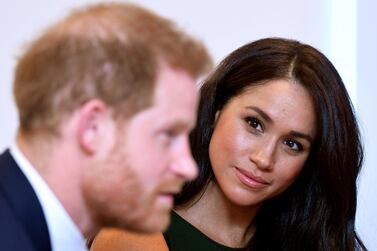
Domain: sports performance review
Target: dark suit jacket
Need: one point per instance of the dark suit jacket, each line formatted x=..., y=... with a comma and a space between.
x=22, y=223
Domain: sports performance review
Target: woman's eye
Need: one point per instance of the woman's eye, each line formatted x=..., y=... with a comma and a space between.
x=293, y=145
x=254, y=123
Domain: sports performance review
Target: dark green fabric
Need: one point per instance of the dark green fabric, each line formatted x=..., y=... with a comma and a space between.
x=182, y=236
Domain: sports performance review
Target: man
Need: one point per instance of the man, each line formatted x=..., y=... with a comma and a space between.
x=106, y=99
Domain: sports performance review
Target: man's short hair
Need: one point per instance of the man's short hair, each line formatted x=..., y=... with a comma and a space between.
x=108, y=51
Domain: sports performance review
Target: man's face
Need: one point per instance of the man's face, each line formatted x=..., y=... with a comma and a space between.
x=149, y=159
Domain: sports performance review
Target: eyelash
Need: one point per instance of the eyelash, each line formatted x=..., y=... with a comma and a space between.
x=169, y=133
x=167, y=136
x=299, y=147
x=254, y=123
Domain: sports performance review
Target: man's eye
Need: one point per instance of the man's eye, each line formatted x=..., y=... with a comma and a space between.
x=294, y=145
x=170, y=133
x=254, y=123
x=167, y=137
x=173, y=133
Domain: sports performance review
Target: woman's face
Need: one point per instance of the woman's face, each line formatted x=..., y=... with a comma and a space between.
x=261, y=141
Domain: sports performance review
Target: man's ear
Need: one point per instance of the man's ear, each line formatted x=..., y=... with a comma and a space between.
x=93, y=117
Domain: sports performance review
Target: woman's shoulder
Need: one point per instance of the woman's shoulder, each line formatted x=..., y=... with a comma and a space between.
x=116, y=239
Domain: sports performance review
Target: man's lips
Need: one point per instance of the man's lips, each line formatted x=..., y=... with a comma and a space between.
x=170, y=192
x=166, y=198
x=251, y=180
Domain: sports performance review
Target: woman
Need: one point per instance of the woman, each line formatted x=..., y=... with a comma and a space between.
x=279, y=152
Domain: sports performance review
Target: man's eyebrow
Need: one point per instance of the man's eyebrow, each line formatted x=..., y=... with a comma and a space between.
x=263, y=114
x=180, y=124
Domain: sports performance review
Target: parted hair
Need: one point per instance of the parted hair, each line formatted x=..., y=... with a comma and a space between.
x=317, y=212
x=107, y=51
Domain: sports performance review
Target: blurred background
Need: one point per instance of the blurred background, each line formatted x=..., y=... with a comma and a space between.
x=344, y=30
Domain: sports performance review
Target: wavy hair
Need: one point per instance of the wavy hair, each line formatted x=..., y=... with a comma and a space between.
x=317, y=212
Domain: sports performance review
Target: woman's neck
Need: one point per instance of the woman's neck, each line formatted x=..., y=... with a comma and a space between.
x=220, y=219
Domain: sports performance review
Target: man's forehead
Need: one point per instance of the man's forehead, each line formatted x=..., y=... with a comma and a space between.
x=172, y=80
x=163, y=115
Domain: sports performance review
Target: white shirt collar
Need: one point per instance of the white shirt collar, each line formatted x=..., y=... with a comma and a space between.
x=64, y=234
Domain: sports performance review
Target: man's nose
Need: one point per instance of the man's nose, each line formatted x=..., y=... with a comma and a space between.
x=185, y=165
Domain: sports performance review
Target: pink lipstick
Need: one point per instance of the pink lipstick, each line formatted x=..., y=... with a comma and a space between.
x=251, y=180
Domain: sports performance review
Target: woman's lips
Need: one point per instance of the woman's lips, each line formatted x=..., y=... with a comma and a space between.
x=251, y=180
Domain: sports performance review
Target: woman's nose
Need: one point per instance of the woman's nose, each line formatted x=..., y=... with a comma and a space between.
x=263, y=156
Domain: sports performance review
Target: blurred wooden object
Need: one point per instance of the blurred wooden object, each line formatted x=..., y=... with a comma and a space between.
x=111, y=239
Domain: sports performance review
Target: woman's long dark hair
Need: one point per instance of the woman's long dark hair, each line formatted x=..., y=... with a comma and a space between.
x=317, y=212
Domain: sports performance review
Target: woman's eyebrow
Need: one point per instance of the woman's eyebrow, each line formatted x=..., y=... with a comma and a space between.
x=302, y=135
x=263, y=114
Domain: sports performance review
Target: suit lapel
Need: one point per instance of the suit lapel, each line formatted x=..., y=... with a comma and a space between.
x=23, y=201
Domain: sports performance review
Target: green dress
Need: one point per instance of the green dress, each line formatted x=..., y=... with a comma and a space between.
x=182, y=236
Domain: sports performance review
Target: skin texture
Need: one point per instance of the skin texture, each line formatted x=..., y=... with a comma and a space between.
x=254, y=156
x=122, y=172
x=316, y=211
x=257, y=150
x=106, y=99
x=137, y=171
